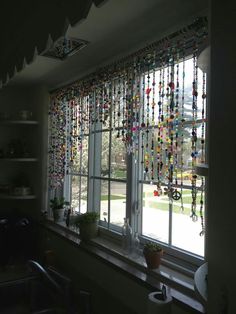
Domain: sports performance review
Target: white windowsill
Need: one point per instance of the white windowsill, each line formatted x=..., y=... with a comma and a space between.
x=164, y=273
x=180, y=285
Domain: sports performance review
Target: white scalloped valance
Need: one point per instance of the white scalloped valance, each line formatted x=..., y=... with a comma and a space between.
x=27, y=28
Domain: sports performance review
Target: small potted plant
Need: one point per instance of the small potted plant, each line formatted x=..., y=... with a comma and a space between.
x=57, y=206
x=152, y=253
x=87, y=224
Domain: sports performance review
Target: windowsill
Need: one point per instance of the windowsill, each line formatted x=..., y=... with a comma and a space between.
x=179, y=285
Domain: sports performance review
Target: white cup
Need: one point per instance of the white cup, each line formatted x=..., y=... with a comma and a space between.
x=25, y=114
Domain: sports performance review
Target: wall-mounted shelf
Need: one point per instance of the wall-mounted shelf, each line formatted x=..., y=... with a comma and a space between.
x=17, y=197
x=19, y=159
x=18, y=122
x=16, y=125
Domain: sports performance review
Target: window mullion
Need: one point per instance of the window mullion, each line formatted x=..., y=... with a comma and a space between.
x=131, y=186
x=110, y=150
x=90, y=170
x=96, y=164
x=139, y=166
x=170, y=221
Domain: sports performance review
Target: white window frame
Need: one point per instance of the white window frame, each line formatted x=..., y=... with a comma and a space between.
x=133, y=197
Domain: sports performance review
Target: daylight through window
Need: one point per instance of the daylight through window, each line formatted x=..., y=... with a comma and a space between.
x=125, y=142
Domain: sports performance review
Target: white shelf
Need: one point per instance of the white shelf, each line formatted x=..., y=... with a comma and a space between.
x=19, y=159
x=17, y=197
x=18, y=122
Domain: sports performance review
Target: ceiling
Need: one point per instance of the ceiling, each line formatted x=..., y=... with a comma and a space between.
x=113, y=30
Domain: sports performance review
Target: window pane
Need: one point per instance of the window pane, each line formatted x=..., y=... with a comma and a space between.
x=187, y=67
x=79, y=194
x=104, y=199
x=105, y=154
x=155, y=214
x=118, y=102
x=183, y=154
x=185, y=232
x=188, y=96
x=80, y=163
x=118, y=158
x=84, y=151
x=84, y=191
x=186, y=155
x=118, y=203
x=75, y=185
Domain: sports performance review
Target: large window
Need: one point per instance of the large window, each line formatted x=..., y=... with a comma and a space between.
x=127, y=142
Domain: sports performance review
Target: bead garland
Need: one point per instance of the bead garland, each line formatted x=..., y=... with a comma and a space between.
x=194, y=134
x=143, y=101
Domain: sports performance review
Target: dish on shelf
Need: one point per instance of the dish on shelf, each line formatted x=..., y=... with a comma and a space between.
x=25, y=115
x=21, y=190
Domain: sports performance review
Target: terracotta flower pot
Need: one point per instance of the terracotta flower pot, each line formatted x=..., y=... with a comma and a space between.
x=153, y=258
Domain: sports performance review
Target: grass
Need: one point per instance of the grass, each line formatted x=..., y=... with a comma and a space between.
x=188, y=199
x=118, y=174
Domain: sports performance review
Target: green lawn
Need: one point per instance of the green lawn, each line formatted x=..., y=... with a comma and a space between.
x=158, y=204
x=188, y=199
x=118, y=174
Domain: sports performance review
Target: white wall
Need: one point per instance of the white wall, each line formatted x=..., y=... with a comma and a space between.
x=222, y=149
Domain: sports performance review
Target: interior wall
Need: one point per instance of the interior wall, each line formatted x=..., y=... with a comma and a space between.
x=128, y=296
x=222, y=171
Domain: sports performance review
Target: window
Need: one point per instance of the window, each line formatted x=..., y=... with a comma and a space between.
x=165, y=219
x=125, y=143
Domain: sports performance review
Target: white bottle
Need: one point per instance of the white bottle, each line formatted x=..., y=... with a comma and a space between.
x=126, y=237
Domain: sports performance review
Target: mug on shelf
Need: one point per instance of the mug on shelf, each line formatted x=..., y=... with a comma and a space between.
x=21, y=190
x=25, y=114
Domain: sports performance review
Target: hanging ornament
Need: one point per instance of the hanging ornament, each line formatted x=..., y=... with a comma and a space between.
x=158, y=190
x=201, y=209
x=176, y=195
x=194, y=134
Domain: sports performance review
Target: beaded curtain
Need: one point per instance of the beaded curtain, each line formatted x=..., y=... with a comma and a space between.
x=153, y=103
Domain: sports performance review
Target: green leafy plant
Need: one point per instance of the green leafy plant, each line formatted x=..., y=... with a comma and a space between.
x=86, y=218
x=87, y=224
x=58, y=203
x=57, y=206
x=152, y=247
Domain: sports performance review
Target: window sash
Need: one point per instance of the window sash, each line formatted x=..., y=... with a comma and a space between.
x=134, y=185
